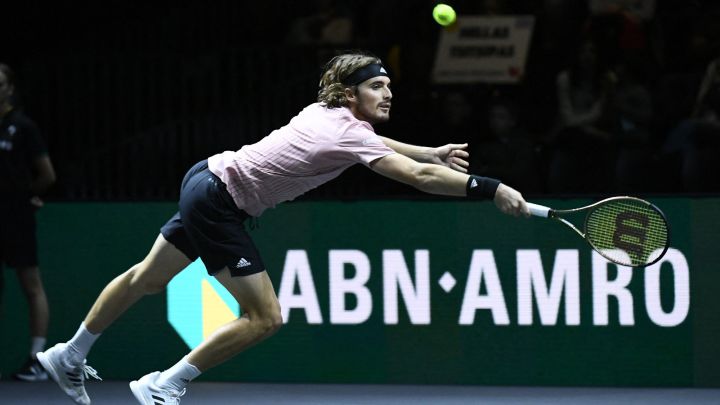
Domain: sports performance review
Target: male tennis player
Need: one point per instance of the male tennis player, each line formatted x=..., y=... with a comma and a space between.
x=219, y=193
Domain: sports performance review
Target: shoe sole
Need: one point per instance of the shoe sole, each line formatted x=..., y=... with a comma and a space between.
x=33, y=378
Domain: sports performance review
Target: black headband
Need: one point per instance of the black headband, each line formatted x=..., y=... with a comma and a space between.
x=364, y=73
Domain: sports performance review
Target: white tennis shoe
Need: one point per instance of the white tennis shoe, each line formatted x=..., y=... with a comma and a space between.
x=70, y=377
x=148, y=393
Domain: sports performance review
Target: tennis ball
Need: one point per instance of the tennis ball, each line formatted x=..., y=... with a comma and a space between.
x=444, y=14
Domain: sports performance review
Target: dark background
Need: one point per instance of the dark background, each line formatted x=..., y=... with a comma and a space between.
x=129, y=94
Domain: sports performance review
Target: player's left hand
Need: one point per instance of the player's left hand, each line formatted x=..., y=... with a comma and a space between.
x=452, y=155
x=36, y=202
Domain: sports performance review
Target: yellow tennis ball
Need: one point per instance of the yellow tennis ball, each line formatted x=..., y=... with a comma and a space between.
x=444, y=14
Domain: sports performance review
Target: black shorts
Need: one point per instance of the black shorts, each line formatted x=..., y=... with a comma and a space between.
x=18, y=240
x=211, y=226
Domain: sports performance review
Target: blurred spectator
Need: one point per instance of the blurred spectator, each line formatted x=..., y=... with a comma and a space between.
x=456, y=119
x=457, y=113
x=621, y=24
x=687, y=34
x=632, y=106
x=26, y=172
x=508, y=152
x=330, y=23
x=696, y=140
x=495, y=7
x=581, y=147
x=557, y=25
x=556, y=30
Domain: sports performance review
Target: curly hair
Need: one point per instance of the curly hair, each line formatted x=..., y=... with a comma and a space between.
x=332, y=91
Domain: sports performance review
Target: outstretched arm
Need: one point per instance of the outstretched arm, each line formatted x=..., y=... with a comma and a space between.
x=435, y=179
x=451, y=155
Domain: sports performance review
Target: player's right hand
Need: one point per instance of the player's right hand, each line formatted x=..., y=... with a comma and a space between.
x=510, y=201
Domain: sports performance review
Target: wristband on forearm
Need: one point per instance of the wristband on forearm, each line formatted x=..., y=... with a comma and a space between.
x=481, y=187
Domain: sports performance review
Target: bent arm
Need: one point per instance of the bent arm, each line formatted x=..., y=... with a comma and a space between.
x=44, y=175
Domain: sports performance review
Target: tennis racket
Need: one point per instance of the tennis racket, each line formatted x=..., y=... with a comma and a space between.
x=625, y=230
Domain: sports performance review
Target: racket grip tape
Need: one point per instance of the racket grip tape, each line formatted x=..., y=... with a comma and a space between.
x=539, y=210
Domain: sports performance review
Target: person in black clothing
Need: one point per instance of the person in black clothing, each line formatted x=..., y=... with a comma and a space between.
x=26, y=171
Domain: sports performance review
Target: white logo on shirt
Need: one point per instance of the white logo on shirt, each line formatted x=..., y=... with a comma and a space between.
x=368, y=141
x=473, y=183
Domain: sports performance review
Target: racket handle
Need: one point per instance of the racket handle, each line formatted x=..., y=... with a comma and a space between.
x=539, y=210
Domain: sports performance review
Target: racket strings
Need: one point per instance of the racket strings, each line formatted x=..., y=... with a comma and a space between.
x=626, y=231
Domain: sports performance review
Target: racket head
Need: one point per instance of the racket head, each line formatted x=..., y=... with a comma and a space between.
x=628, y=231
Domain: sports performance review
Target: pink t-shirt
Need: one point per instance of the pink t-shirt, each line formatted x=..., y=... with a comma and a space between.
x=314, y=148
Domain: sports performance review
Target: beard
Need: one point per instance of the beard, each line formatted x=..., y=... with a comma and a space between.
x=374, y=115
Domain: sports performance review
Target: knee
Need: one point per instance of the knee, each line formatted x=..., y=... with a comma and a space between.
x=276, y=322
x=270, y=322
x=140, y=279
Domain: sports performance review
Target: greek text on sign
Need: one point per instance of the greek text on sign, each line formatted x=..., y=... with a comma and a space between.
x=483, y=49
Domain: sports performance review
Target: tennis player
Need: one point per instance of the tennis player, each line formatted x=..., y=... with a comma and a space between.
x=220, y=193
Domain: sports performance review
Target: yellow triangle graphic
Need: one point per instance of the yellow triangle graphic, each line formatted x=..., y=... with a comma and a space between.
x=215, y=312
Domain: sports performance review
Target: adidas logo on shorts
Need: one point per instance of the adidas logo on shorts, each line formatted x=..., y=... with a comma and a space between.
x=242, y=263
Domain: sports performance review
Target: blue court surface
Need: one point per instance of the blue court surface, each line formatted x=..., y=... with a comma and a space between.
x=117, y=392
